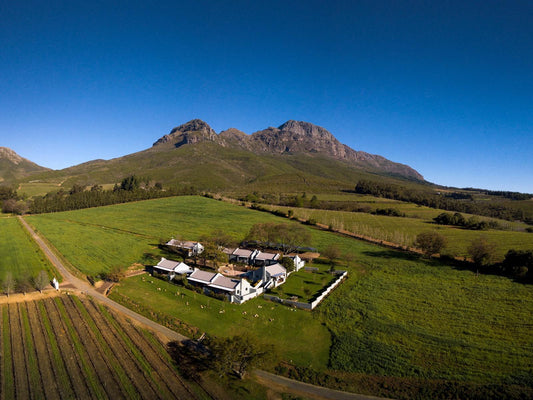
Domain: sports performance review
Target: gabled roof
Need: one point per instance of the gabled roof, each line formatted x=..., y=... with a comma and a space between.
x=169, y=265
x=242, y=252
x=276, y=270
x=184, y=244
x=202, y=276
x=267, y=256
x=224, y=283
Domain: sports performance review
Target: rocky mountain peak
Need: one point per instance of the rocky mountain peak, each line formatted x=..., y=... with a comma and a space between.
x=8, y=154
x=193, y=131
x=195, y=125
x=307, y=129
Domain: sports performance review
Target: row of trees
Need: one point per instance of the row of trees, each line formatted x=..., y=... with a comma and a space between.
x=131, y=188
x=472, y=223
x=444, y=201
x=24, y=284
x=517, y=263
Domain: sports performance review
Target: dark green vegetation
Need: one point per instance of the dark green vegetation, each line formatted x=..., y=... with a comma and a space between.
x=397, y=317
x=470, y=201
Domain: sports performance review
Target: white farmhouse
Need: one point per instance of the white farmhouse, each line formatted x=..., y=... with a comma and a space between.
x=172, y=268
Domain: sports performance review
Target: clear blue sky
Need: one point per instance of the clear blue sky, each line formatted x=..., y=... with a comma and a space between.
x=443, y=86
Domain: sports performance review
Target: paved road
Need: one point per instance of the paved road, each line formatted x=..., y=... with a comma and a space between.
x=296, y=386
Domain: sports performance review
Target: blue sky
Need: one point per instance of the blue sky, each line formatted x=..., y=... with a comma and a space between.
x=443, y=86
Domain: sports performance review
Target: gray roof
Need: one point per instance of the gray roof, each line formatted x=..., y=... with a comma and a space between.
x=202, y=276
x=267, y=256
x=225, y=283
x=242, y=252
x=276, y=270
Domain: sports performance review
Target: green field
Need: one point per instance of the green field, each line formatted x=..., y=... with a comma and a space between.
x=403, y=231
x=19, y=254
x=395, y=315
x=293, y=332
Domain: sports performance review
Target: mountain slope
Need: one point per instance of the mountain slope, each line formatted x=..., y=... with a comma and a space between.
x=13, y=166
x=290, y=138
x=296, y=156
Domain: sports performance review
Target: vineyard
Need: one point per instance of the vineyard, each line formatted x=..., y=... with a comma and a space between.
x=71, y=347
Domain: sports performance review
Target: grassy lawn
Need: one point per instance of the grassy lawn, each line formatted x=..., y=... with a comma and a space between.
x=19, y=254
x=293, y=332
x=395, y=315
x=306, y=285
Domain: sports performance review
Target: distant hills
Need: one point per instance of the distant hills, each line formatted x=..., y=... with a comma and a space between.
x=295, y=156
x=13, y=166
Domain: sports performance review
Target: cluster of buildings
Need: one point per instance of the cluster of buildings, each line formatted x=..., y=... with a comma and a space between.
x=265, y=271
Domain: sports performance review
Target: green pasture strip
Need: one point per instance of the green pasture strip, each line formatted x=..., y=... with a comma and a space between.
x=93, y=381
x=32, y=366
x=403, y=231
x=8, y=381
x=18, y=252
x=64, y=383
x=125, y=382
x=292, y=332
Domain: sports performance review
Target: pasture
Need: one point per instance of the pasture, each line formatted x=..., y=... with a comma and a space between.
x=19, y=254
x=292, y=332
x=403, y=231
x=395, y=315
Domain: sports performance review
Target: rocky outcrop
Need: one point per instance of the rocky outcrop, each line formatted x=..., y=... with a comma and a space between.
x=290, y=138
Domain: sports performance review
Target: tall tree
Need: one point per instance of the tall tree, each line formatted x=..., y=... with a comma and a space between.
x=237, y=354
x=482, y=252
x=430, y=242
x=41, y=280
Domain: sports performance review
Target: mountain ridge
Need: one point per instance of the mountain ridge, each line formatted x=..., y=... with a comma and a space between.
x=289, y=138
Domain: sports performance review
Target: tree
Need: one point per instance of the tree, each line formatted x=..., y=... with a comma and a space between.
x=287, y=236
x=41, y=280
x=288, y=263
x=237, y=354
x=332, y=252
x=430, y=242
x=482, y=252
x=8, y=284
x=518, y=262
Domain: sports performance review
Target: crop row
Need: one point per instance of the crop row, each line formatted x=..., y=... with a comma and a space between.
x=69, y=347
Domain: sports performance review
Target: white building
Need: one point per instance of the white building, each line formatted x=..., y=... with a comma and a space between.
x=172, y=268
x=191, y=248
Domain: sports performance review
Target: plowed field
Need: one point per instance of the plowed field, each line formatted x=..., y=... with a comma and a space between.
x=70, y=347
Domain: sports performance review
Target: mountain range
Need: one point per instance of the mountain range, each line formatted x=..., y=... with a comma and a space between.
x=294, y=155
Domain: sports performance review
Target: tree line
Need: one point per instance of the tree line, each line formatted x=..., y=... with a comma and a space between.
x=444, y=201
x=131, y=188
x=517, y=264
